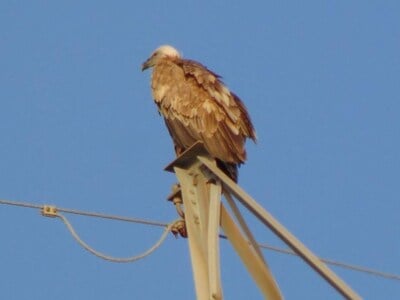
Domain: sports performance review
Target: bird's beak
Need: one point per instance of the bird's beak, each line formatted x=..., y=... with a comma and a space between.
x=146, y=64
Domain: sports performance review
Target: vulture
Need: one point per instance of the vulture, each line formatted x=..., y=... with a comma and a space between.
x=197, y=106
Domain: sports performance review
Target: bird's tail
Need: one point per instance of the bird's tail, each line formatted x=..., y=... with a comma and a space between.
x=230, y=169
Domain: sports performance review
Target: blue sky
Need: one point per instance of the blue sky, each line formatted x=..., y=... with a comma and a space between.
x=79, y=130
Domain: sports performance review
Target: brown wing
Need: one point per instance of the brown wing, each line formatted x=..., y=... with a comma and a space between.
x=198, y=107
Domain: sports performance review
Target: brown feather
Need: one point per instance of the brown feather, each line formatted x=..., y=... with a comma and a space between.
x=197, y=106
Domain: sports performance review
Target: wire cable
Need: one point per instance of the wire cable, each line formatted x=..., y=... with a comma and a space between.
x=112, y=258
x=336, y=263
x=111, y=217
x=85, y=213
x=161, y=224
x=329, y=261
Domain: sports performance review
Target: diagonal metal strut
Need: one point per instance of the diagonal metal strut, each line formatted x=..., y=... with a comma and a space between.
x=284, y=234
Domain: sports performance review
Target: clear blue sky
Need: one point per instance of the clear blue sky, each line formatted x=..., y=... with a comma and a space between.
x=78, y=129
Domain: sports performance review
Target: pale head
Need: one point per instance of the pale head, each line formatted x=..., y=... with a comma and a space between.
x=161, y=52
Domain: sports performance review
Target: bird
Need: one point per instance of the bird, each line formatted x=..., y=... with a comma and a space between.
x=198, y=107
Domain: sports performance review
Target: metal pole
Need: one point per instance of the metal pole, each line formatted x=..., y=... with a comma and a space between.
x=281, y=231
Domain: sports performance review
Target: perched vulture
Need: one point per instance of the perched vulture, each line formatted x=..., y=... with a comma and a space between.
x=197, y=106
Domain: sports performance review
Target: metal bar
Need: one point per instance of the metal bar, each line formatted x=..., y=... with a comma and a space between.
x=254, y=264
x=213, y=240
x=243, y=224
x=282, y=232
x=194, y=228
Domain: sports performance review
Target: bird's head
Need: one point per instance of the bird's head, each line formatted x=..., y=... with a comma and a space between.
x=160, y=53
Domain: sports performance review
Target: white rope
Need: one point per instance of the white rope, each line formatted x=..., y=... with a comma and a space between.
x=111, y=258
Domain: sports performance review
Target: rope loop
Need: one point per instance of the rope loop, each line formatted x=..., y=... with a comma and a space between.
x=129, y=259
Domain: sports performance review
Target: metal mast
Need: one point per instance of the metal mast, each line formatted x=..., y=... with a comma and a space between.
x=202, y=184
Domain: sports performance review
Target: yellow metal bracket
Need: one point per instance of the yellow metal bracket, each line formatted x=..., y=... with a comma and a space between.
x=49, y=211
